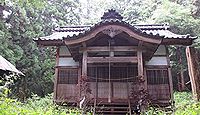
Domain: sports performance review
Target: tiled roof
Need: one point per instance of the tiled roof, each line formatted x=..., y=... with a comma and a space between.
x=75, y=31
x=5, y=65
x=113, y=18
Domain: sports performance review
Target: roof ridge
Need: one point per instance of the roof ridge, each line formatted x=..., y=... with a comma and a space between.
x=75, y=26
x=150, y=25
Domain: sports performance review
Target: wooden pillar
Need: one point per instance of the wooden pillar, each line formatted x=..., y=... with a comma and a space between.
x=141, y=69
x=56, y=75
x=111, y=54
x=170, y=76
x=96, y=92
x=194, y=72
x=84, y=87
x=79, y=81
x=84, y=63
x=171, y=85
x=145, y=78
x=140, y=64
x=140, y=60
x=142, y=85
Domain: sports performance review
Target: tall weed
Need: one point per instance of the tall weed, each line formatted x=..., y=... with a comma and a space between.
x=184, y=105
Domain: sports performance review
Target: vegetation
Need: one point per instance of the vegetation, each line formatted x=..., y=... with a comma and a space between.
x=184, y=105
x=44, y=106
x=34, y=106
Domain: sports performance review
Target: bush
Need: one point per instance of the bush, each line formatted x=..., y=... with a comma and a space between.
x=184, y=105
x=34, y=106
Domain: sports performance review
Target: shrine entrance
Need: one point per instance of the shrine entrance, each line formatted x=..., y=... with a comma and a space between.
x=112, y=82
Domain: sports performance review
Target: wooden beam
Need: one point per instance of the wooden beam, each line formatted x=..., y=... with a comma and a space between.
x=112, y=59
x=50, y=42
x=113, y=48
x=194, y=73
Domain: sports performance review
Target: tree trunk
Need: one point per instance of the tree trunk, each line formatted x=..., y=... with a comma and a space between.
x=194, y=72
x=180, y=77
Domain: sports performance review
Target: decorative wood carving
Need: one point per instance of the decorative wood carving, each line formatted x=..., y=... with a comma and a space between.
x=84, y=87
x=139, y=94
x=112, y=32
x=111, y=14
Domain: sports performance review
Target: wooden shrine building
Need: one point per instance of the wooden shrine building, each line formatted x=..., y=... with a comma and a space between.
x=113, y=63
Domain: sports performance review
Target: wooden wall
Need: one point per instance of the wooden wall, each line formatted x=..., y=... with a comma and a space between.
x=159, y=58
x=65, y=91
x=120, y=90
x=159, y=68
x=65, y=58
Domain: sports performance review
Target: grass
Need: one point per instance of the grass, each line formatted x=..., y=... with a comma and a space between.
x=184, y=105
x=34, y=106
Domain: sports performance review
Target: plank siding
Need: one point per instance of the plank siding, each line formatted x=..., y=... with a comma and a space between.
x=64, y=51
x=161, y=51
x=103, y=89
x=67, y=92
x=120, y=90
x=159, y=92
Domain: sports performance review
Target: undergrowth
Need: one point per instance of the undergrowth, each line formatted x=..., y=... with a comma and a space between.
x=34, y=106
x=184, y=105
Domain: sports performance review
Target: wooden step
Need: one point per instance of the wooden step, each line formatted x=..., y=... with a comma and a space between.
x=112, y=109
x=112, y=112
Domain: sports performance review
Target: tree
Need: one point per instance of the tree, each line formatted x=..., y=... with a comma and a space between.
x=196, y=8
x=26, y=20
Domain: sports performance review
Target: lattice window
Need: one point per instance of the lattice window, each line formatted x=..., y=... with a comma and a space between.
x=103, y=74
x=118, y=74
x=132, y=73
x=158, y=76
x=91, y=73
x=68, y=76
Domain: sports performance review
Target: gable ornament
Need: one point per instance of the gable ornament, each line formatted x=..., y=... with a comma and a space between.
x=112, y=32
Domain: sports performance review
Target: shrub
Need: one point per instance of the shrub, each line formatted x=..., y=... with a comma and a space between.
x=34, y=106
